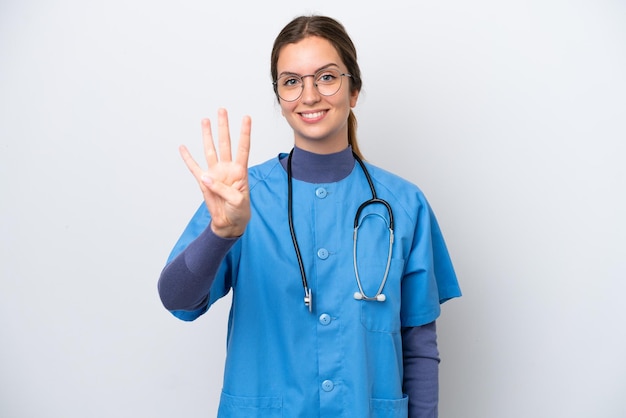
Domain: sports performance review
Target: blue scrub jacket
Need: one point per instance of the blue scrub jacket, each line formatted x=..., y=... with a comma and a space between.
x=345, y=358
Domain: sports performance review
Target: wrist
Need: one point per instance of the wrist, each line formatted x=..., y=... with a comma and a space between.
x=227, y=232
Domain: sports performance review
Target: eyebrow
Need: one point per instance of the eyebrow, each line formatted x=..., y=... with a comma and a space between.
x=324, y=67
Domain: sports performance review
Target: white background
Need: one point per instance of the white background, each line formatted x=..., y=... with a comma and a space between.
x=511, y=116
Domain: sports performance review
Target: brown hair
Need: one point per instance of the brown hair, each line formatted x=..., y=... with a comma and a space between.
x=333, y=31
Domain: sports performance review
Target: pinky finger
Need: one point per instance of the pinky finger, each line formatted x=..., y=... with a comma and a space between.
x=191, y=164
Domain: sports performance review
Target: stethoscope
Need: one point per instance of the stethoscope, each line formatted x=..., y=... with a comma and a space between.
x=360, y=295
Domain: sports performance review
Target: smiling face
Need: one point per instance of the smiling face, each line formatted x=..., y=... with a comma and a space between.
x=319, y=123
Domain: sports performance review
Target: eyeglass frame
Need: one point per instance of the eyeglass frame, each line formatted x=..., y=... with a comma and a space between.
x=301, y=77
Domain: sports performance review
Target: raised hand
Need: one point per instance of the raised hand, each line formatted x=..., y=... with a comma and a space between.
x=225, y=183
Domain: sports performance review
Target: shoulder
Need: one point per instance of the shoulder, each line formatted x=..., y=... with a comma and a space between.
x=404, y=193
x=385, y=176
x=265, y=171
x=392, y=183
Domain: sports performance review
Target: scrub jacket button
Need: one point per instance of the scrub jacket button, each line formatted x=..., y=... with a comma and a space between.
x=321, y=192
x=322, y=253
x=327, y=385
x=324, y=319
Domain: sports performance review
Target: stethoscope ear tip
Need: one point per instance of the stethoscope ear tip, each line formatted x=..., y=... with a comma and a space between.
x=358, y=295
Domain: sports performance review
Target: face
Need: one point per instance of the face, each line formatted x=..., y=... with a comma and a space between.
x=319, y=123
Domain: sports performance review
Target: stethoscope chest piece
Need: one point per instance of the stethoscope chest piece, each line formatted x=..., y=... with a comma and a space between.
x=308, y=299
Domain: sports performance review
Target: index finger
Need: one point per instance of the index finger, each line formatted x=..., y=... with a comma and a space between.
x=243, y=148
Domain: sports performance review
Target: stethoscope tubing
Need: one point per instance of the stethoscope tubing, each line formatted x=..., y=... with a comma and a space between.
x=360, y=295
x=308, y=300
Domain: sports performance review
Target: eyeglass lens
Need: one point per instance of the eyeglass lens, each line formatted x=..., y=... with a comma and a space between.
x=290, y=86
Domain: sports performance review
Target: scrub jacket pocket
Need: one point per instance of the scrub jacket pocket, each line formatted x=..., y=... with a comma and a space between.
x=250, y=407
x=382, y=316
x=390, y=408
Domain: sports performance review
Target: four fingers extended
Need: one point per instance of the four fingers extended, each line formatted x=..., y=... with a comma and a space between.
x=219, y=161
x=224, y=142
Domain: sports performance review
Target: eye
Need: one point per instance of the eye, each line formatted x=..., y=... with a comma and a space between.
x=290, y=81
x=327, y=77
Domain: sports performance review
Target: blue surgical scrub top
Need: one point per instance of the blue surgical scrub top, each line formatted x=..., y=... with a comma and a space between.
x=345, y=358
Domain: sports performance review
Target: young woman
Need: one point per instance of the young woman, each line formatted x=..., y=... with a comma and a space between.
x=334, y=300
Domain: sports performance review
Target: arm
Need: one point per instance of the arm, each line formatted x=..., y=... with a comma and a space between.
x=421, y=370
x=185, y=282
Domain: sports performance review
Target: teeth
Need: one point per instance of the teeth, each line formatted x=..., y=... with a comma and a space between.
x=312, y=115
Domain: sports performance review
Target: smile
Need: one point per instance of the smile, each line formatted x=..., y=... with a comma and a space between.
x=313, y=116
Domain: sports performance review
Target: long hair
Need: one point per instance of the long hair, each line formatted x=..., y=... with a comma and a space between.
x=333, y=31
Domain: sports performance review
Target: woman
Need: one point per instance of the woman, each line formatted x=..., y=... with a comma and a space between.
x=320, y=324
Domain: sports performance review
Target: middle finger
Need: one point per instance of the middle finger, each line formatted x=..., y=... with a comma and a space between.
x=223, y=135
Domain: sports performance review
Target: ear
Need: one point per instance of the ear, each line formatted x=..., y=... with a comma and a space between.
x=354, y=95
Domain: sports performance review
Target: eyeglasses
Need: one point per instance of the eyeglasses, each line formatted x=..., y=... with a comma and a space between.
x=289, y=87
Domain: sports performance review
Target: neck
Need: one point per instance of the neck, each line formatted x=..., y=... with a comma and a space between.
x=320, y=168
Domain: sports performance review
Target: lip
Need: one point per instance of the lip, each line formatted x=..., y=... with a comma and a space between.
x=312, y=116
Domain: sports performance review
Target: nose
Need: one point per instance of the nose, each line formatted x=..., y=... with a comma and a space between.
x=310, y=94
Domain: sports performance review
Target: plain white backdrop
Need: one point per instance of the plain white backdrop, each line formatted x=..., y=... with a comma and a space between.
x=511, y=116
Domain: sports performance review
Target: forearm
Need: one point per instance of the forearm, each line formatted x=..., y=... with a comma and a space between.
x=421, y=370
x=185, y=282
